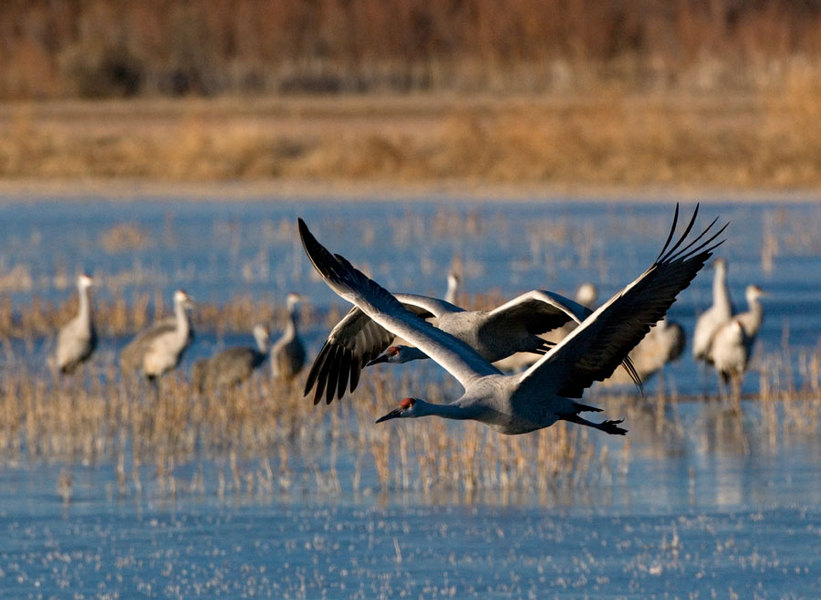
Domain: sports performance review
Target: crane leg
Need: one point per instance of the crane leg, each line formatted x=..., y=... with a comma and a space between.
x=611, y=427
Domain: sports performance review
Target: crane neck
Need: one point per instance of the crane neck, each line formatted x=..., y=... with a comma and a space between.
x=183, y=323
x=454, y=410
x=721, y=295
x=84, y=311
x=756, y=312
x=292, y=323
x=410, y=353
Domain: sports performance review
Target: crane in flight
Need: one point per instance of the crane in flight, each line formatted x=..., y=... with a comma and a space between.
x=547, y=391
x=358, y=340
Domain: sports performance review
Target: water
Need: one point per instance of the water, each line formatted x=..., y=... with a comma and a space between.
x=700, y=518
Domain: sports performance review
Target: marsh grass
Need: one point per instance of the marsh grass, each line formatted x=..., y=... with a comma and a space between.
x=264, y=439
x=758, y=139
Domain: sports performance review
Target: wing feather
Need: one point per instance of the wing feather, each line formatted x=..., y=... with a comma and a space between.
x=595, y=348
x=459, y=359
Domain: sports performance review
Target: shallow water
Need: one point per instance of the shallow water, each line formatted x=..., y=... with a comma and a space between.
x=690, y=516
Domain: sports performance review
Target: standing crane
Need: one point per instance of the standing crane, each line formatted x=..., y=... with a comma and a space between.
x=77, y=339
x=288, y=353
x=712, y=318
x=546, y=392
x=233, y=365
x=158, y=349
x=733, y=341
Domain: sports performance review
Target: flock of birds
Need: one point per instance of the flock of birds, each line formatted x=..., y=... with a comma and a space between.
x=159, y=348
x=523, y=365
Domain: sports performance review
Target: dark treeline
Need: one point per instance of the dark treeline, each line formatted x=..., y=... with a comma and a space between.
x=105, y=48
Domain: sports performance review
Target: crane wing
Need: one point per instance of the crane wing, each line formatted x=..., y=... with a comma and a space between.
x=355, y=341
x=459, y=359
x=538, y=311
x=595, y=348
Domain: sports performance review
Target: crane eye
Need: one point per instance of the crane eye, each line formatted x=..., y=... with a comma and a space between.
x=406, y=403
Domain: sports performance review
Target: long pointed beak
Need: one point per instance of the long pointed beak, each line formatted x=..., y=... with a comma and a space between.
x=379, y=359
x=397, y=412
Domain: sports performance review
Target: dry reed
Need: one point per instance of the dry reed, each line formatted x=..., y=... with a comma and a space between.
x=747, y=141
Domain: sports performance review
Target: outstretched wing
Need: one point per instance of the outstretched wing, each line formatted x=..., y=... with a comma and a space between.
x=355, y=341
x=595, y=348
x=459, y=359
x=536, y=311
x=541, y=311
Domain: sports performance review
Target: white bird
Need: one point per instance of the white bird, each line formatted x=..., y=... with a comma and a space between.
x=357, y=340
x=159, y=348
x=288, y=353
x=715, y=316
x=537, y=398
x=233, y=365
x=77, y=339
x=733, y=341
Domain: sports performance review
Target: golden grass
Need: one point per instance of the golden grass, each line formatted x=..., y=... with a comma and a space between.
x=766, y=139
x=264, y=438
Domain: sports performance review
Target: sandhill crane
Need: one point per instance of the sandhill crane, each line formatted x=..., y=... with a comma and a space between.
x=357, y=340
x=232, y=366
x=733, y=341
x=78, y=338
x=159, y=348
x=712, y=318
x=288, y=353
x=537, y=398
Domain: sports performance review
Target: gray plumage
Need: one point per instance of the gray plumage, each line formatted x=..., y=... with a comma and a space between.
x=288, y=353
x=232, y=366
x=715, y=316
x=545, y=393
x=160, y=348
x=77, y=340
x=357, y=340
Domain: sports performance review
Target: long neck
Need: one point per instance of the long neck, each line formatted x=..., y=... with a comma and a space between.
x=755, y=316
x=721, y=296
x=291, y=325
x=183, y=325
x=455, y=410
x=410, y=353
x=84, y=313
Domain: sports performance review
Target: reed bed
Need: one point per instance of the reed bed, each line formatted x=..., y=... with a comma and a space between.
x=264, y=439
x=744, y=141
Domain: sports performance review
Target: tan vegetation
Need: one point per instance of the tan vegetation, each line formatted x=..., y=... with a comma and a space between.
x=264, y=439
x=609, y=139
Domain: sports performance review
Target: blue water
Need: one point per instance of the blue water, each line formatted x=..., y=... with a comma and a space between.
x=688, y=516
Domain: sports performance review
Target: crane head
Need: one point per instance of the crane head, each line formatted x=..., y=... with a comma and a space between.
x=393, y=354
x=84, y=281
x=183, y=299
x=406, y=409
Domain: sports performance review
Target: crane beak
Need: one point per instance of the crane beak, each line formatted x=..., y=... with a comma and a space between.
x=379, y=359
x=397, y=412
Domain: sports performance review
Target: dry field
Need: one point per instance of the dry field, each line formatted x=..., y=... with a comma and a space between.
x=749, y=141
